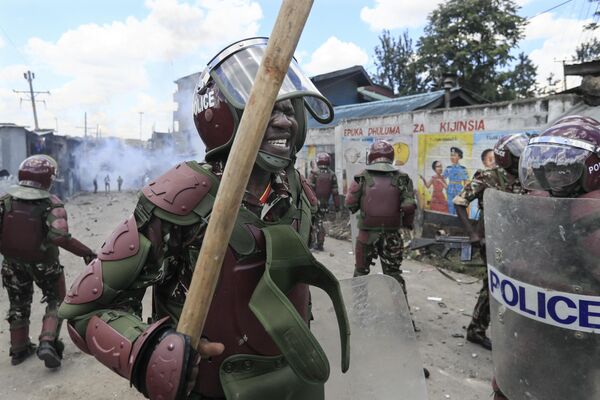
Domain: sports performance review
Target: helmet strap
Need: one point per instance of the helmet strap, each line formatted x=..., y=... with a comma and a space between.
x=271, y=163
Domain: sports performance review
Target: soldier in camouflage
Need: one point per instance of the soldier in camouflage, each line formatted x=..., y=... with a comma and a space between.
x=324, y=183
x=33, y=224
x=385, y=198
x=503, y=177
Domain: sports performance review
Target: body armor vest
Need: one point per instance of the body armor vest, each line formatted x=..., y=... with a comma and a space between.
x=24, y=231
x=230, y=320
x=381, y=201
x=323, y=185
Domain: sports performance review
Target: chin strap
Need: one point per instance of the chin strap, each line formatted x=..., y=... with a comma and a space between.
x=272, y=163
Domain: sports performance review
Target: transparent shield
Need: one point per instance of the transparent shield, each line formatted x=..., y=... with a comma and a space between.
x=544, y=275
x=384, y=360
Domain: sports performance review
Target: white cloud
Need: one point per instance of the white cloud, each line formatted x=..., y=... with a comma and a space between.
x=393, y=14
x=560, y=37
x=333, y=55
x=106, y=66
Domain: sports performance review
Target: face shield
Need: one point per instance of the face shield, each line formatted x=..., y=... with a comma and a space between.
x=553, y=163
x=235, y=69
x=517, y=144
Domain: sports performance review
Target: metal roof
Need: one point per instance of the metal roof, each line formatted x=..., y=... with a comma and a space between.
x=381, y=107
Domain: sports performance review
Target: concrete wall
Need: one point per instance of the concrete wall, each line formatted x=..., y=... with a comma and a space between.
x=13, y=147
x=421, y=137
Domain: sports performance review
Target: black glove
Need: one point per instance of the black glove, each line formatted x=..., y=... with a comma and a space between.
x=167, y=367
x=89, y=258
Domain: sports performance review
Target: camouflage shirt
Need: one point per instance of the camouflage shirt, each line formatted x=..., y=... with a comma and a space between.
x=496, y=178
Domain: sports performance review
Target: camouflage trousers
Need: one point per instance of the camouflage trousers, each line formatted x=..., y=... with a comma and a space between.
x=18, y=279
x=318, y=229
x=481, y=314
x=387, y=245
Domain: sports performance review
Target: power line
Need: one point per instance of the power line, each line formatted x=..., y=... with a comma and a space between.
x=550, y=9
x=13, y=44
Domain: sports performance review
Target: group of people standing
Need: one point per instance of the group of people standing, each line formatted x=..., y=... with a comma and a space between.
x=107, y=183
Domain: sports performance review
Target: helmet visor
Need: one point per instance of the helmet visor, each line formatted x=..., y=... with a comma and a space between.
x=237, y=73
x=517, y=144
x=550, y=166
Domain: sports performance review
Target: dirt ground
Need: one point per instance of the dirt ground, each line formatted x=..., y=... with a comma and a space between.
x=459, y=369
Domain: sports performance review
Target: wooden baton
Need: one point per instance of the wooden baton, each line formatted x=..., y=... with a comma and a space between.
x=273, y=68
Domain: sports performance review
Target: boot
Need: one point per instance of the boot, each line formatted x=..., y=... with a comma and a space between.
x=51, y=353
x=479, y=338
x=20, y=343
x=50, y=349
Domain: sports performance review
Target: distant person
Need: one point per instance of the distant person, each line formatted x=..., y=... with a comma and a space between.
x=33, y=224
x=438, y=202
x=119, y=182
x=95, y=185
x=107, y=183
x=457, y=177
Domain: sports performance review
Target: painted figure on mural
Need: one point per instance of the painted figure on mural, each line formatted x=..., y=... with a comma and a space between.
x=457, y=177
x=439, y=201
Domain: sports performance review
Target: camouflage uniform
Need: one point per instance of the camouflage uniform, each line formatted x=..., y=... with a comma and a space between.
x=323, y=196
x=383, y=241
x=496, y=178
x=23, y=266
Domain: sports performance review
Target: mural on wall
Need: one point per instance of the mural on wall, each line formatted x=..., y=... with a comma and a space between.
x=447, y=161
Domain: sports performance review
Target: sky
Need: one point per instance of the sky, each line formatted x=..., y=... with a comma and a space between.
x=115, y=59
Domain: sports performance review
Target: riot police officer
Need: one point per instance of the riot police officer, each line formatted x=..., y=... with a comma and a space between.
x=503, y=177
x=324, y=183
x=158, y=245
x=555, y=261
x=385, y=200
x=33, y=224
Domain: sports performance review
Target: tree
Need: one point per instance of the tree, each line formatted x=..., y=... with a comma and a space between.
x=589, y=50
x=474, y=40
x=395, y=62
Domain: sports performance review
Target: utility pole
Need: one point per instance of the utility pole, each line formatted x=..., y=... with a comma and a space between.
x=141, y=114
x=30, y=76
x=563, y=73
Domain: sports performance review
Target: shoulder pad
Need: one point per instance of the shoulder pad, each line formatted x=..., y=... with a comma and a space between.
x=56, y=201
x=88, y=286
x=122, y=243
x=179, y=190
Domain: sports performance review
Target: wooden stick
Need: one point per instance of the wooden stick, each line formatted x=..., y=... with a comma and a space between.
x=273, y=68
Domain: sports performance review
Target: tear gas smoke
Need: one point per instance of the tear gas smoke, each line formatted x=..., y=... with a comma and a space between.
x=137, y=166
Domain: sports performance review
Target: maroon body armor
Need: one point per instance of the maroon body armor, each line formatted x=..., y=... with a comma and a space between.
x=380, y=203
x=23, y=232
x=323, y=185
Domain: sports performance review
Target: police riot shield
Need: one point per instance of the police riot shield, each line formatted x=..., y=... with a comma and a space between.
x=384, y=359
x=544, y=280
